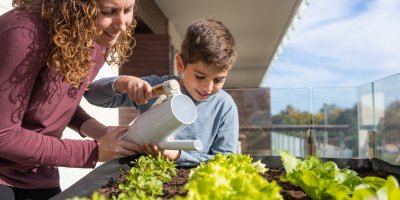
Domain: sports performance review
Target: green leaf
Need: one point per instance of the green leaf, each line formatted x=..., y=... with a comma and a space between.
x=374, y=182
x=310, y=179
x=260, y=167
x=289, y=162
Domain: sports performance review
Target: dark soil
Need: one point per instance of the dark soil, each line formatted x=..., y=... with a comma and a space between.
x=175, y=186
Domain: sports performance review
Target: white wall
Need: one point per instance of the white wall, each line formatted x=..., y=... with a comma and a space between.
x=176, y=40
x=5, y=5
x=107, y=116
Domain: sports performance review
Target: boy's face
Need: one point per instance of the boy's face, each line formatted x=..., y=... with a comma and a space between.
x=201, y=80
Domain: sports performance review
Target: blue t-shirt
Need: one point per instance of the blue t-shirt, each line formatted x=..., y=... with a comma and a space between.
x=216, y=125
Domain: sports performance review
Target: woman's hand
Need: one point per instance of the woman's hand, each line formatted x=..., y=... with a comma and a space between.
x=154, y=150
x=110, y=146
x=137, y=89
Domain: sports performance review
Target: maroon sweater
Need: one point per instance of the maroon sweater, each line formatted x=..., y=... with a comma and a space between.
x=36, y=107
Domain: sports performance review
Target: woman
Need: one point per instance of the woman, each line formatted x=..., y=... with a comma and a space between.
x=51, y=51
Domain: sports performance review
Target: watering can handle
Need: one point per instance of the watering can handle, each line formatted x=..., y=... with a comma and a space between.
x=169, y=88
x=157, y=90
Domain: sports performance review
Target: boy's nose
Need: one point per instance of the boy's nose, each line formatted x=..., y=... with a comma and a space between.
x=208, y=86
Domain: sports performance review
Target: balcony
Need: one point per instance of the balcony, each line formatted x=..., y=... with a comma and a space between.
x=340, y=122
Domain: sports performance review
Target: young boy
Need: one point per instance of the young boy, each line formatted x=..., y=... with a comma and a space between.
x=207, y=54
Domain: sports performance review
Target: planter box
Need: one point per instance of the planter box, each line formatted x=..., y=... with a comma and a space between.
x=107, y=171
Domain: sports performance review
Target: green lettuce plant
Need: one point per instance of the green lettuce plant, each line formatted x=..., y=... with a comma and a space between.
x=327, y=181
x=145, y=180
x=230, y=177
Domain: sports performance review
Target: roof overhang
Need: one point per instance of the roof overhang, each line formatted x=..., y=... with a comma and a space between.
x=259, y=27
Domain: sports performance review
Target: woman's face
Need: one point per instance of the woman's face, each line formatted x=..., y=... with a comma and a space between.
x=113, y=19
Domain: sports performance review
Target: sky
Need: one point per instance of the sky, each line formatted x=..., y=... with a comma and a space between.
x=340, y=43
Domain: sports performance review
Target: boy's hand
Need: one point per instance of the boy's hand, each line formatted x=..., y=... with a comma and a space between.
x=137, y=89
x=153, y=149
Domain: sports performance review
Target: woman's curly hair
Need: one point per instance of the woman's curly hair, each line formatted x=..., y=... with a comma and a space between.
x=72, y=27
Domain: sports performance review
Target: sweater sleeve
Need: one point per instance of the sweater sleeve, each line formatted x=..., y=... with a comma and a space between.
x=228, y=131
x=225, y=140
x=77, y=120
x=20, y=63
x=101, y=93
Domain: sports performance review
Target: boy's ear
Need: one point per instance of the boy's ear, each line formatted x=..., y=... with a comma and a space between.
x=179, y=63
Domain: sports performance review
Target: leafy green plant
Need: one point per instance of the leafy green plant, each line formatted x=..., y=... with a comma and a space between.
x=230, y=177
x=145, y=180
x=325, y=180
x=389, y=191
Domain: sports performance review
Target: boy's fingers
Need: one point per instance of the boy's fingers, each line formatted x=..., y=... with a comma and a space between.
x=147, y=91
x=143, y=96
x=132, y=96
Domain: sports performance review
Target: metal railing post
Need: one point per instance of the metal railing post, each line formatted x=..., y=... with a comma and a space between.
x=310, y=142
x=372, y=143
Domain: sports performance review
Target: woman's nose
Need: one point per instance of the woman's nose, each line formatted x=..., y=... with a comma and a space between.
x=120, y=22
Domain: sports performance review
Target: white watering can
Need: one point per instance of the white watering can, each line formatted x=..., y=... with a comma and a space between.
x=170, y=113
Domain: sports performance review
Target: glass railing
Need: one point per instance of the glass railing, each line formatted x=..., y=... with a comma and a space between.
x=335, y=124
x=290, y=120
x=366, y=120
x=387, y=118
x=341, y=122
x=273, y=119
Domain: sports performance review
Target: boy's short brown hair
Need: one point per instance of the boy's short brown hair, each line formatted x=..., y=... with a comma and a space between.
x=209, y=41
